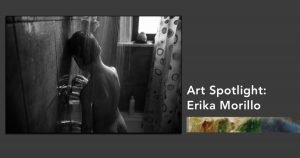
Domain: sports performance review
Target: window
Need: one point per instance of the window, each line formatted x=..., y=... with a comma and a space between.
x=147, y=24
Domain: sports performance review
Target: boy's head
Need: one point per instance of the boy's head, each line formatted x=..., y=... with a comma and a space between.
x=84, y=48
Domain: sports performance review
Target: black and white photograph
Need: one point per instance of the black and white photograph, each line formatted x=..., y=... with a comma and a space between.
x=93, y=74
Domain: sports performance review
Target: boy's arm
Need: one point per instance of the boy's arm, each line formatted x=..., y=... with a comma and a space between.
x=79, y=82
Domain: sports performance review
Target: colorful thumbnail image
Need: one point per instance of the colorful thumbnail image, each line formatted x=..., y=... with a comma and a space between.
x=243, y=124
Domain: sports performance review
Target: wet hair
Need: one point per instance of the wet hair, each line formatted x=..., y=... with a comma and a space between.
x=84, y=46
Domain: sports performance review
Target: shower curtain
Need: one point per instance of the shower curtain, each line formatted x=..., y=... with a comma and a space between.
x=163, y=102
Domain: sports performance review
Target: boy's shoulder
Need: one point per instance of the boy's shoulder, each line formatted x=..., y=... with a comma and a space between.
x=114, y=70
x=115, y=74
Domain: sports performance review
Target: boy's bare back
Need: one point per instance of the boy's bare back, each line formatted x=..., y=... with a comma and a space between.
x=100, y=100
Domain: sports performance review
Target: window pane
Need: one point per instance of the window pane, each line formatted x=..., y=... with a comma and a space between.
x=149, y=24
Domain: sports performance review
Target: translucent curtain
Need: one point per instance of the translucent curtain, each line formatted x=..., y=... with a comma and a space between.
x=125, y=31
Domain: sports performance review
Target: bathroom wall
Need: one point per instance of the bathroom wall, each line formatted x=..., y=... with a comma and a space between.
x=35, y=59
x=134, y=64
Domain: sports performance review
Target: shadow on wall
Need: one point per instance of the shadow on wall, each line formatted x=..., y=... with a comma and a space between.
x=35, y=60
